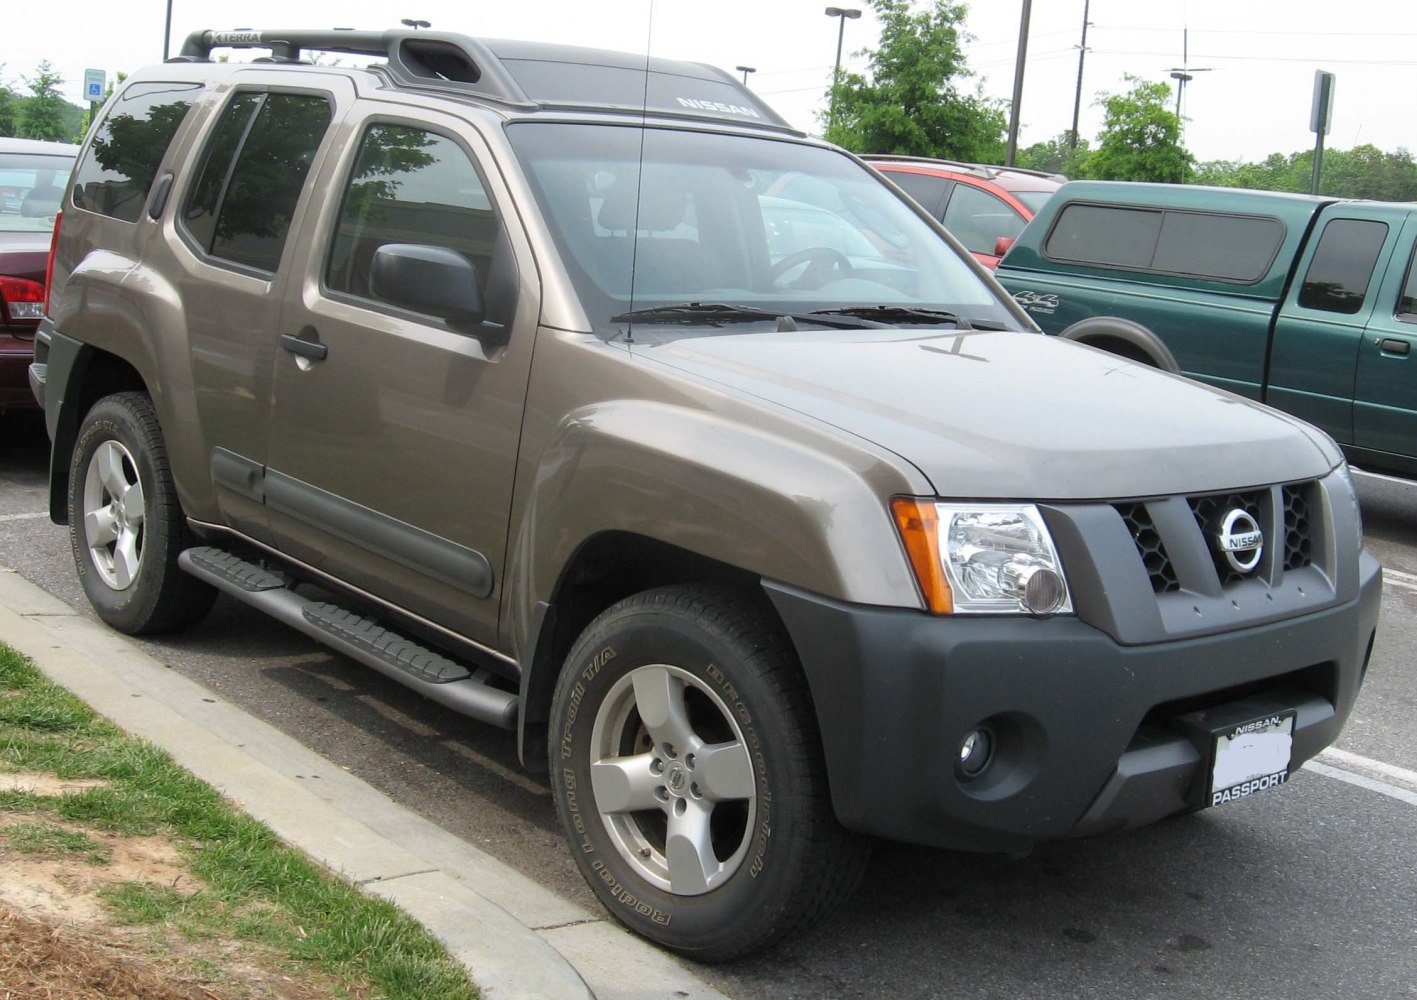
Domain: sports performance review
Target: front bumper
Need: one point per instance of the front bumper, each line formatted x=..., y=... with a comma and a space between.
x=1089, y=735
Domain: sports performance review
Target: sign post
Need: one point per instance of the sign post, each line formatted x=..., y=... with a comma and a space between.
x=1320, y=120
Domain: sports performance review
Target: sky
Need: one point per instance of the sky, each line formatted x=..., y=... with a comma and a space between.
x=1253, y=61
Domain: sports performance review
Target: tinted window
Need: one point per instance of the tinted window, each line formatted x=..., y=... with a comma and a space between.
x=256, y=165
x=923, y=188
x=1338, y=275
x=412, y=186
x=1094, y=234
x=1229, y=247
x=1237, y=248
x=119, y=168
x=977, y=219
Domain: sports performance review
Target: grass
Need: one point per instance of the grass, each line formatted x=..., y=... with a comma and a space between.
x=257, y=889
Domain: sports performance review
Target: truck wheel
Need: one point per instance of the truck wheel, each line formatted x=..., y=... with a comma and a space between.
x=125, y=522
x=688, y=775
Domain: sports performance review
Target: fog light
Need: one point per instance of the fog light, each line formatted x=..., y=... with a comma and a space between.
x=975, y=752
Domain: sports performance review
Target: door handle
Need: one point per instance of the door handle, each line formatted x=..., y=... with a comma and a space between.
x=299, y=346
x=1392, y=346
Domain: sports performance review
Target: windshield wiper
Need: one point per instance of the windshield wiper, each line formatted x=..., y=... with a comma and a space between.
x=716, y=313
x=898, y=315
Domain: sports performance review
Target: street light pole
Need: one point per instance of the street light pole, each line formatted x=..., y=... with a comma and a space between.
x=745, y=70
x=842, y=13
x=167, y=32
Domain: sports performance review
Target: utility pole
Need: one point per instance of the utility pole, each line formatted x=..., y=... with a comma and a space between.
x=1018, y=83
x=1077, y=98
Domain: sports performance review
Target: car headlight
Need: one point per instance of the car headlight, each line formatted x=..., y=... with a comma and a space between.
x=972, y=558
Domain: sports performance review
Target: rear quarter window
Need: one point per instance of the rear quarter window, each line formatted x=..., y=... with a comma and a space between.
x=1224, y=246
x=115, y=174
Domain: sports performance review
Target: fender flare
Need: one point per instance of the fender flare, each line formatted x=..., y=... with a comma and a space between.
x=1146, y=347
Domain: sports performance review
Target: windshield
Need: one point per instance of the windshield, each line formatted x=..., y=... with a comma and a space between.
x=31, y=187
x=778, y=226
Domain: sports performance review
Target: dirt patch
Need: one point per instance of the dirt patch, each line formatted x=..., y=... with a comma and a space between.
x=38, y=959
x=46, y=784
x=58, y=940
x=64, y=890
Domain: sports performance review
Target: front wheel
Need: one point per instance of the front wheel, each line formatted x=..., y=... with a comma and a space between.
x=688, y=775
x=126, y=526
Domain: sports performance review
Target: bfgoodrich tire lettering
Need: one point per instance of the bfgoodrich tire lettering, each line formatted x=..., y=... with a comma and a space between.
x=126, y=526
x=688, y=775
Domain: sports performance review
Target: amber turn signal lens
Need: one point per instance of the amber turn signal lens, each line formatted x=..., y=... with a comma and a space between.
x=919, y=526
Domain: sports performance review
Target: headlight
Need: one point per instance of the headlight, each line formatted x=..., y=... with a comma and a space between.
x=983, y=558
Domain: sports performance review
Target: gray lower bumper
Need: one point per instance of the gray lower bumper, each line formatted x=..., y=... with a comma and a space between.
x=1090, y=735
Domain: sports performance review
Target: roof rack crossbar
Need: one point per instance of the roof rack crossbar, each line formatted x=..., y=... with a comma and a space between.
x=430, y=59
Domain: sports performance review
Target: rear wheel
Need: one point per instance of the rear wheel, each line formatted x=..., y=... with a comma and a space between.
x=126, y=526
x=689, y=779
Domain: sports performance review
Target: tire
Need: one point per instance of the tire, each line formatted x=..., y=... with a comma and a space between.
x=712, y=855
x=126, y=525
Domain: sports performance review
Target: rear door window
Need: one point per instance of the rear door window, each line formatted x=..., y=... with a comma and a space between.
x=929, y=191
x=1338, y=276
x=114, y=177
x=255, y=168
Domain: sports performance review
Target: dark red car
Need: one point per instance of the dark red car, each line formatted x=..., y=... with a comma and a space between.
x=33, y=177
x=978, y=204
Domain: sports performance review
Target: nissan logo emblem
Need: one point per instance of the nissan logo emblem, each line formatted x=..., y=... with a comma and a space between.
x=1240, y=541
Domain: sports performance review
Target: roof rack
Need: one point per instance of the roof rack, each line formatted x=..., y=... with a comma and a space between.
x=523, y=75
x=987, y=170
x=416, y=58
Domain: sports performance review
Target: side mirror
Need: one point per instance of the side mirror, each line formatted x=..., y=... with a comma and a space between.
x=1002, y=244
x=427, y=279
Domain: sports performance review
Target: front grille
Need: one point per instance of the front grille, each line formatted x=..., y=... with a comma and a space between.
x=1297, y=546
x=1286, y=522
x=1150, y=547
x=1210, y=513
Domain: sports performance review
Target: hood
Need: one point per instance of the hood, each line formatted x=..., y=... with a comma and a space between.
x=1012, y=415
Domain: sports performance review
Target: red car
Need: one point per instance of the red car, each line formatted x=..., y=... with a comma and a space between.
x=980, y=205
x=33, y=177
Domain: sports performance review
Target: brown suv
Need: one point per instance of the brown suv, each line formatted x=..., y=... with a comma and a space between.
x=581, y=394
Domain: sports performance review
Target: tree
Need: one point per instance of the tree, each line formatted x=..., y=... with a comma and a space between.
x=1140, y=138
x=1361, y=172
x=1057, y=155
x=914, y=102
x=44, y=114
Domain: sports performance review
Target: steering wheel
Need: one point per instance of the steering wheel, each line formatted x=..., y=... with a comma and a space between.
x=820, y=261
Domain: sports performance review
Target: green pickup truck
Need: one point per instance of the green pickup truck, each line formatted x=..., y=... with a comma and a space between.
x=1308, y=304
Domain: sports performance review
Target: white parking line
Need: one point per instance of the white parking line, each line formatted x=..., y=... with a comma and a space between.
x=1363, y=781
x=34, y=516
x=1357, y=762
x=1397, y=578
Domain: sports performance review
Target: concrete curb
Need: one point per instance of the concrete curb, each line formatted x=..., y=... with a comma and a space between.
x=517, y=938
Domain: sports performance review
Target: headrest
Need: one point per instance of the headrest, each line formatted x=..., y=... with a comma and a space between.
x=661, y=203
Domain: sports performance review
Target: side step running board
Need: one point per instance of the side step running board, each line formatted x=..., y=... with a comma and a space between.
x=431, y=674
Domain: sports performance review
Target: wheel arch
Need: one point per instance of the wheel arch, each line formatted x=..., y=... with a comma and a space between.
x=605, y=569
x=83, y=375
x=1125, y=338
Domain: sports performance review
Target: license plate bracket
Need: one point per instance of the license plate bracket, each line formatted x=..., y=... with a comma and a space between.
x=1245, y=749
